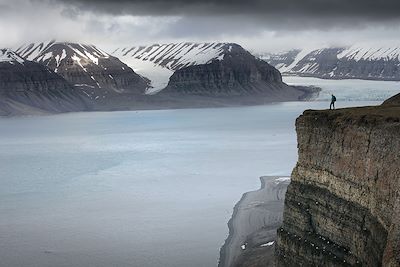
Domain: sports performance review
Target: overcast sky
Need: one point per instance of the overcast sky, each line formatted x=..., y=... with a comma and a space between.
x=258, y=25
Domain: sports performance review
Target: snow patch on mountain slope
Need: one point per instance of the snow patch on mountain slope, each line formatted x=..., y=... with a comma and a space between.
x=296, y=60
x=59, y=58
x=371, y=52
x=32, y=50
x=7, y=55
x=176, y=56
x=357, y=52
x=370, y=61
x=42, y=52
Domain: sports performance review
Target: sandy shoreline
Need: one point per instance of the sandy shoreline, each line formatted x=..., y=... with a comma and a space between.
x=252, y=228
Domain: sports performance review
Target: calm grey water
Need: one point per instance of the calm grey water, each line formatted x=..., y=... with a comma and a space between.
x=148, y=188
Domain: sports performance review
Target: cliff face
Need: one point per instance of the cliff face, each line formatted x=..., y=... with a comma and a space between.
x=342, y=207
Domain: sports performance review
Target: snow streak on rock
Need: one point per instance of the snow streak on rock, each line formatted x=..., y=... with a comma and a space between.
x=361, y=61
x=7, y=55
x=159, y=61
x=176, y=56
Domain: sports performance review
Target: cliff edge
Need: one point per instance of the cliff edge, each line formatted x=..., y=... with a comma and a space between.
x=342, y=207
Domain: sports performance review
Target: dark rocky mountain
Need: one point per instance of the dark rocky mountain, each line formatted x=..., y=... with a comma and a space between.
x=98, y=74
x=209, y=70
x=371, y=62
x=159, y=61
x=235, y=73
x=30, y=88
x=196, y=75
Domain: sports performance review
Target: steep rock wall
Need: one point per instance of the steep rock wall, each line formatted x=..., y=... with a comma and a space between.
x=342, y=206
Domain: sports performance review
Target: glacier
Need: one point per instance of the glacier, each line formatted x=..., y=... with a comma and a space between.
x=348, y=89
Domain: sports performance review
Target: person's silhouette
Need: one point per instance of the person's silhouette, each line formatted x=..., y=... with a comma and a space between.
x=333, y=100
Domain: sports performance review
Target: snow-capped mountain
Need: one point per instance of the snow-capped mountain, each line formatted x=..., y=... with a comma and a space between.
x=95, y=72
x=363, y=61
x=189, y=75
x=159, y=61
x=176, y=56
x=28, y=87
x=206, y=69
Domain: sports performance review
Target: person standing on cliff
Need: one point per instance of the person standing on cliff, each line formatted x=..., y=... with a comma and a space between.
x=333, y=100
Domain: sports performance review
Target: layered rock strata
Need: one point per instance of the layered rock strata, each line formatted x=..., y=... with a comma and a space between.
x=342, y=207
x=27, y=87
x=96, y=73
x=237, y=73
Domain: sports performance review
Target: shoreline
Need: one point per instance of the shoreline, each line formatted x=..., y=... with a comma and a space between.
x=134, y=102
x=253, y=225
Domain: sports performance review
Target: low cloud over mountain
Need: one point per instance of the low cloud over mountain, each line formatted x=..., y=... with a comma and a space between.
x=257, y=24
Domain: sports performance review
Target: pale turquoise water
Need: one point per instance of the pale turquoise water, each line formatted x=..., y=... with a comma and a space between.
x=148, y=188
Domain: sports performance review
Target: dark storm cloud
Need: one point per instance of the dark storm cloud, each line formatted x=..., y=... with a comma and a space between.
x=367, y=9
x=4, y=8
x=258, y=25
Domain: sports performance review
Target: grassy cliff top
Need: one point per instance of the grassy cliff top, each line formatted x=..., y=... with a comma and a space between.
x=393, y=101
x=386, y=113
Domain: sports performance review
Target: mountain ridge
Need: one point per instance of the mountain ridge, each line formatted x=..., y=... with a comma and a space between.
x=360, y=61
x=92, y=70
x=195, y=75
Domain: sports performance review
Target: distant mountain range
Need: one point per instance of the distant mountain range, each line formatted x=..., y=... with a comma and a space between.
x=371, y=62
x=60, y=76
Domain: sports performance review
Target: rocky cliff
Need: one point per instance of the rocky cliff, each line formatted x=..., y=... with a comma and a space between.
x=342, y=207
x=27, y=87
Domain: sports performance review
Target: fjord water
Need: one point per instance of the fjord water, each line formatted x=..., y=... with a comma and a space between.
x=137, y=188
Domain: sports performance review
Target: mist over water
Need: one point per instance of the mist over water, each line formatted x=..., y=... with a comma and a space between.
x=148, y=188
